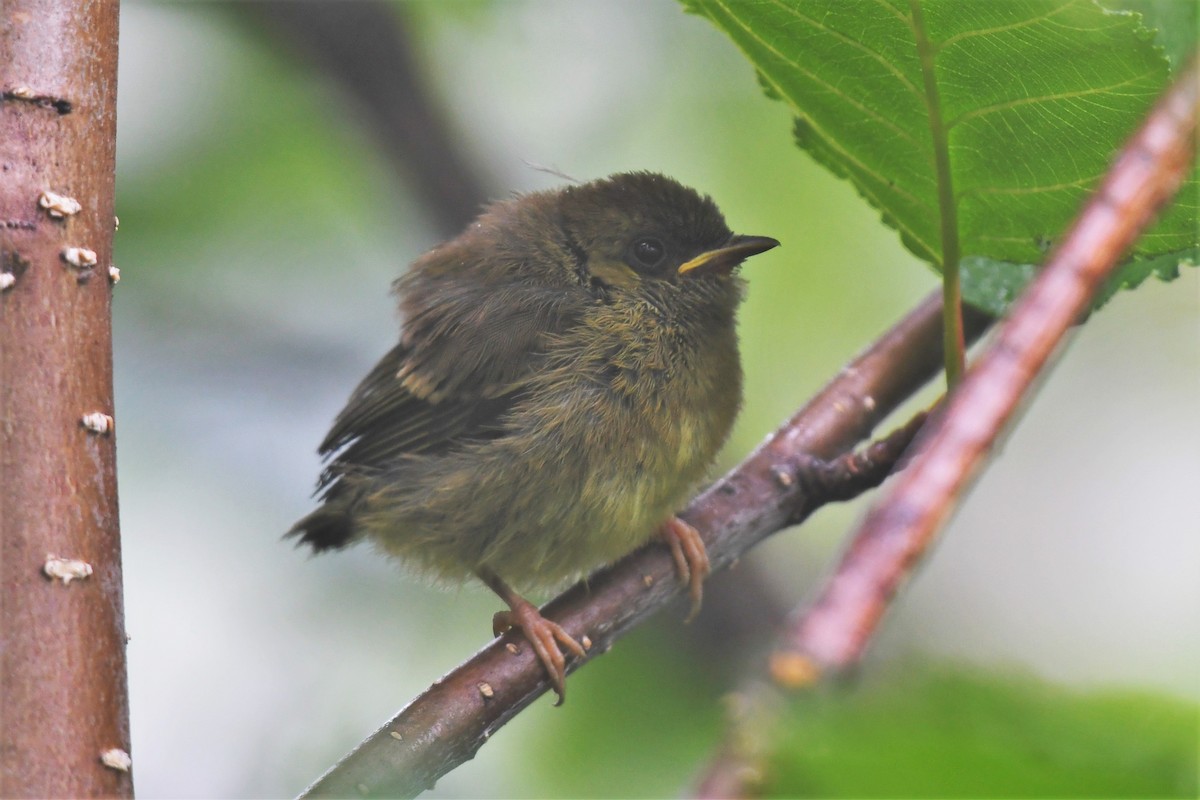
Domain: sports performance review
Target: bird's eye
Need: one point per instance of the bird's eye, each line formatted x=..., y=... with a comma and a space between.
x=648, y=252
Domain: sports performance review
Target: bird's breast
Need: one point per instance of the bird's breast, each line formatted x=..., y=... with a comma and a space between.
x=651, y=422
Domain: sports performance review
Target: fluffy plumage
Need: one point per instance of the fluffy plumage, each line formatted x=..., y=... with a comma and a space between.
x=566, y=372
x=552, y=399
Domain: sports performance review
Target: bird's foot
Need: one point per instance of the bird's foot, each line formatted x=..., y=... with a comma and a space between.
x=691, y=558
x=546, y=638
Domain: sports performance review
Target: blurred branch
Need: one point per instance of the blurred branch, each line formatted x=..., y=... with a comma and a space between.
x=448, y=723
x=833, y=631
x=365, y=49
x=64, y=706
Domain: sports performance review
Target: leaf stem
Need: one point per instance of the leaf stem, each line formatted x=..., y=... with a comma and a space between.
x=953, y=345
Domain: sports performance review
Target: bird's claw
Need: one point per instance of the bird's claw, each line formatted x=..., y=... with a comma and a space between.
x=691, y=558
x=546, y=637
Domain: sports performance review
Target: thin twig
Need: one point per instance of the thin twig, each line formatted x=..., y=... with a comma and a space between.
x=836, y=628
x=738, y=769
x=853, y=473
x=448, y=723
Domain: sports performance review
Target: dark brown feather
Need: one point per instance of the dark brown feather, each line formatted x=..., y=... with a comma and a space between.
x=454, y=385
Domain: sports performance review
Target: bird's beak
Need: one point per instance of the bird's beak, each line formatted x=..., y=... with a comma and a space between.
x=726, y=258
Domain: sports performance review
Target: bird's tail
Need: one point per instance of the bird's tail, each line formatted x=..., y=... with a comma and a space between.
x=330, y=527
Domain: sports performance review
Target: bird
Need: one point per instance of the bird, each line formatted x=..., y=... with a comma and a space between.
x=567, y=370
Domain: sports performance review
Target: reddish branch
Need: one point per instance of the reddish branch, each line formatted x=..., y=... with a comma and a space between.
x=63, y=699
x=835, y=630
x=449, y=722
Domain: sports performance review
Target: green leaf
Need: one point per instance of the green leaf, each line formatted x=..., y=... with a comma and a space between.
x=1174, y=23
x=1025, y=101
x=992, y=285
x=946, y=732
x=1164, y=267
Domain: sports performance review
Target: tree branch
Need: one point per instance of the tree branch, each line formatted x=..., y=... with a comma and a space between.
x=64, y=711
x=448, y=723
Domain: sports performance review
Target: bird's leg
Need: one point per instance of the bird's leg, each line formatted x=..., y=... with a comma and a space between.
x=691, y=557
x=544, y=635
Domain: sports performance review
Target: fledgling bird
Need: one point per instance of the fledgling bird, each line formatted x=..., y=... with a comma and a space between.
x=567, y=370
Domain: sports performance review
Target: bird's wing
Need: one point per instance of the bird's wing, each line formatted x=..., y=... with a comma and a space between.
x=461, y=364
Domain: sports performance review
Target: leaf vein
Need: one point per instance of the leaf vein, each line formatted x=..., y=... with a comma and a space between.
x=1081, y=183
x=958, y=37
x=1046, y=98
x=873, y=54
x=831, y=88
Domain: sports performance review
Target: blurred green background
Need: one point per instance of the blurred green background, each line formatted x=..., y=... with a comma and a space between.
x=260, y=229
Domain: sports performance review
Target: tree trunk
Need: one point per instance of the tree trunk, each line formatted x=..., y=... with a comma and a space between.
x=64, y=720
